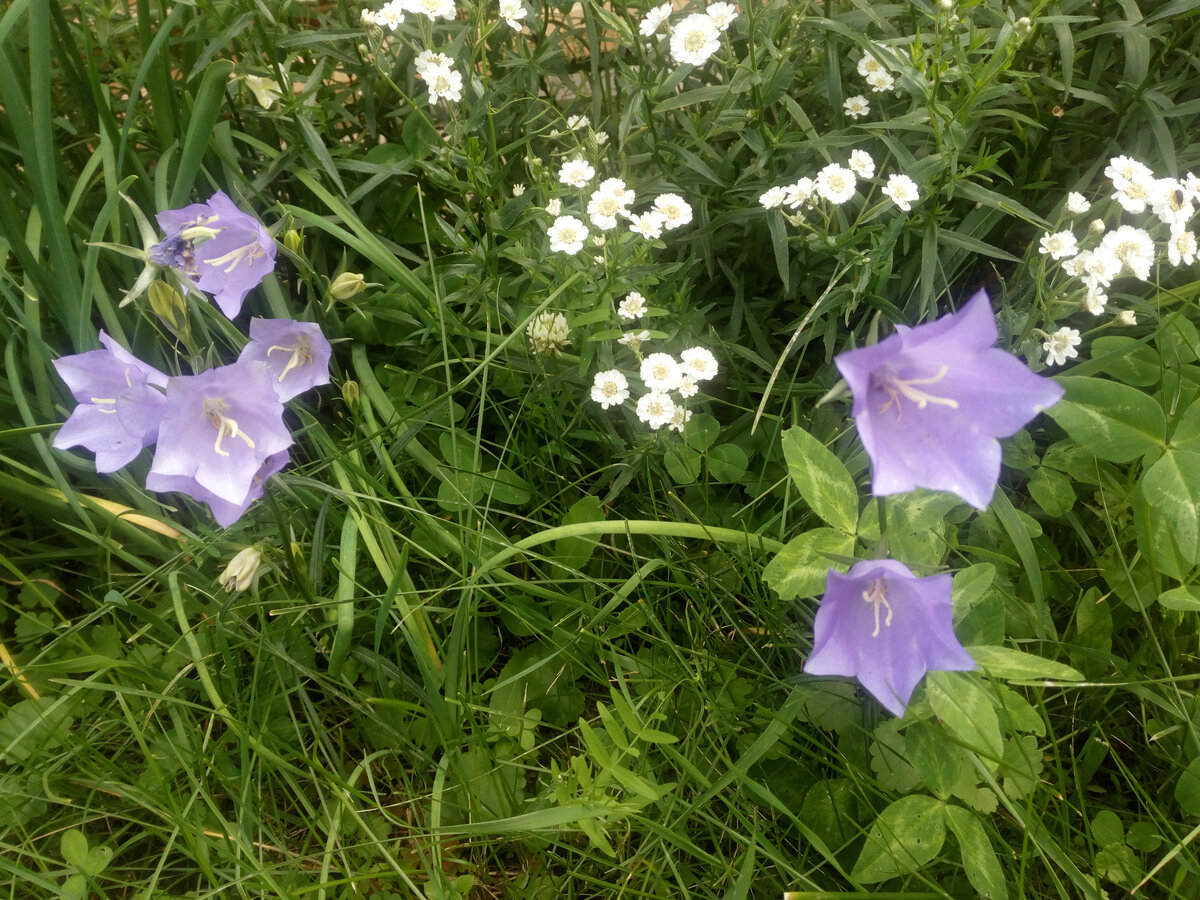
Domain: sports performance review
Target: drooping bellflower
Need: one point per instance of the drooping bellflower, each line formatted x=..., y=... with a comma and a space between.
x=931, y=401
x=119, y=406
x=222, y=250
x=222, y=436
x=295, y=353
x=886, y=627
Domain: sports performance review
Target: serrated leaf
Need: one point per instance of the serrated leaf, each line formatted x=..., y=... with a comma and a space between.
x=822, y=479
x=978, y=856
x=889, y=758
x=937, y=762
x=906, y=836
x=966, y=710
x=1111, y=420
x=1020, y=766
x=1004, y=662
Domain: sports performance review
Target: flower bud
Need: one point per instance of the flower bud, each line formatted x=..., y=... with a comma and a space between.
x=351, y=393
x=1096, y=226
x=292, y=239
x=1126, y=317
x=347, y=285
x=168, y=304
x=242, y=569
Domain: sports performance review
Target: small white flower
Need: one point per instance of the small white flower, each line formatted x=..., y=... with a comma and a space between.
x=1096, y=226
x=1124, y=169
x=1181, y=249
x=676, y=211
x=548, y=332
x=1060, y=245
x=679, y=419
x=1077, y=204
x=836, y=183
x=722, y=14
x=902, y=191
x=428, y=59
x=1100, y=266
x=1076, y=266
x=433, y=8
x=698, y=363
x=617, y=188
x=649, y=224
x=603, y=209
x=856, y=107
x=554, y=207
x=567, y=235
x=444, y=83
x=511, y=11
x=391, y=16
x=656, y=409
x=1134, y=247
x=1126, y=317
x=654, y=18
x=772, y=198
x=266, y=91
x=598, y=240
x=687, y=387
x=632, y=307
x=1134, y=195
x=634, y=339
x=861, y=163
x=1172, y=203
x=1061, y=345
x=518, y=189
x=1095, y=300
x=601, y=138
x=576, y=172
x=868, y=65
x=695, y=39
x=661, y=372
x=577, y=123
x=242, y=569
x=799, y=193
x=881, y=81
x=610, y=388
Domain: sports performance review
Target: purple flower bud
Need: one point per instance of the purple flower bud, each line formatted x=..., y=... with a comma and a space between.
x=295, y=353
x=223, y=250
x=118, y=411
x=881, y=624
x=931, y=401
x=221, y=437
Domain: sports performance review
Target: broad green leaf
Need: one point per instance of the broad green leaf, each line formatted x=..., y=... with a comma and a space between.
x=1187, y=789
x=906, y=836
x=727, y=463
x=937, y=762
x=683, y=463
x=1172, y=487
x=1052, y=490
x=73, y=845
x=823, y=481
x=799, y=569
x=700, y=431
x=574, y=552
x=978, y=856
x=1181, y=599
x=966, y=710
x=1004, y=662
x=916, y=525
x=1132, y=362
x=1111, y=420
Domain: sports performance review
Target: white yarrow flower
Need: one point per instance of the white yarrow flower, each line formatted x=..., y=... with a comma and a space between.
x=1061, y=345
x=772, y=198
x=433, y=8
x=1126, y=317
x=656, y=409
x=578, y=123
x=676, y=211
x=443, y=83
x=661, y=372
x=1095, y=300
x=687, y=387
x=1100, y=266
x=1125, y=169
x=634, y=339
x=654, y=19
x=567, y=235
x=836, y=183
x=1077, y=204
x=604, y=207
x=1134, y=247
x=695, y=39
x=856, y=107
x=554, y=207
x=680, y=418
x=902, y=191
x=722, y=14
x=576, y=172
x=632, y=307
x=429, y=59
x=511, y=11
x=390, y=16
x=649, y=224
x=1181, y=249
x=548, y=332
x=881, y=81
x=868, y=65
x=698, y=363
x=799, y=193
x=1059, y=245
x=861, y=163
x=1172, y=203
x=610, y=388
x=266, y=91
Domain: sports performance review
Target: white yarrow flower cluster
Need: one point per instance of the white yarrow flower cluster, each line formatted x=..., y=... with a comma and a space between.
x=567, y=235
x=837, y=184
x=548, y=333
x=576, y=172
x=1061, y=345
x=876, y=74
x=390, y=15
x=661, y=373
x=609, y=200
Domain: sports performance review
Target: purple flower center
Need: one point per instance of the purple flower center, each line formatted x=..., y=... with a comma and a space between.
x=214, y=409
x=301, y=354
x=876, y=595
x=885, y=381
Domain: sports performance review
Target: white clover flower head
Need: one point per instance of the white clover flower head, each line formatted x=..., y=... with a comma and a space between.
x=695, y=39
x=548, y=333
x=722, y=14
x=512, y=12
x=443, y=83
x=698, y=363
x=610, y=388
x=649, y=224
x=632, y=307
x=861, y=163
x=836, y=183
x=1181, y=249
x=902, y=191
x=576, y=172
x=1095, y=299
x=567, y=235
x=554, y=207
x=634, y=339
x=881, y=81
x=654, y=19
x=1134, y=247
x=1126, y=317
x=1060, y=245
x=772, y=198
x=856, y=107
x=656, y=409
x=680, y=418
x=1077, y=204
x=578, y=123
x=435, y=9
x=266, y=91
x=1100, y=266
x=1172, y=203
x=518, y=189
x=661, y=372
x=427, y=60
x=1061, y=345
x=676, y=211
x=799, y=193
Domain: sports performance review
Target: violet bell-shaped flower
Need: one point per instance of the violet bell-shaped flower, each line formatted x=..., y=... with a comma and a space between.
x=222, y=436
x=222, y=250
x=119, y=404
x=931, y=401
x=886, y=627
x=295, y=353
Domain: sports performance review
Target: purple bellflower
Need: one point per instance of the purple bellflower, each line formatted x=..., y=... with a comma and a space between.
x=222, y=250
x=295, y=353
x=221, y=437
x=931, y=401
x=119, y=405
x=881, y=624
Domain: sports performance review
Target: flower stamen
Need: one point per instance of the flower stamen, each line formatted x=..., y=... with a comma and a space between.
x=214, y=409
x=896, y=388
x=247, y=254
x=301, y=354
x=876, y=595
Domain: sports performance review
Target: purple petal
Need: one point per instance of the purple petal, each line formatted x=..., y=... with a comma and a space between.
x=91, y=427
x=295, y=353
